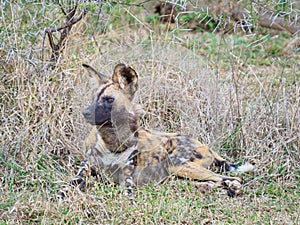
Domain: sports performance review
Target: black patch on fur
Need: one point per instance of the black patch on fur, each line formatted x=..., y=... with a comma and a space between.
x=93, y=172
x=233, y=166
x=231, y=193
x=198, y=155
x=170, y=145
x=223, y=165
x=192, y=159
x=133, y=157
x=156, y=157
x=102, y=90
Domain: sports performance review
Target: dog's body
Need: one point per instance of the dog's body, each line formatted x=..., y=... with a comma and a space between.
x=130, y=154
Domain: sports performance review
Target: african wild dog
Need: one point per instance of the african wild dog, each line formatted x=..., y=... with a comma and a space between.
x=135, y=156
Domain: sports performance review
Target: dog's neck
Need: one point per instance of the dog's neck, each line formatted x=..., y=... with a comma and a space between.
x=119, y=135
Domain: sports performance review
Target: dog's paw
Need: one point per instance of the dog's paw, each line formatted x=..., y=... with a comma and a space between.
x=234, y=187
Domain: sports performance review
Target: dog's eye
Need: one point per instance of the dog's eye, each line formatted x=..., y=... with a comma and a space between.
x=110, y=100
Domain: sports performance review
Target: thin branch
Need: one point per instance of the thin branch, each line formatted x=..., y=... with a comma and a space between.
x=68, y=24
x=64, y=31
x=62, y=9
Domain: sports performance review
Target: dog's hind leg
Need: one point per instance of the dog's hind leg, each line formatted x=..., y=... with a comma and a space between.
x=196, y=172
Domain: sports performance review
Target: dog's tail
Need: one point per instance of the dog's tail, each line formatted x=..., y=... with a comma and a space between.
x=247, y=167
x=224, y=164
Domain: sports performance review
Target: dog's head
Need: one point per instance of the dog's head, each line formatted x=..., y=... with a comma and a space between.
x=113, y=99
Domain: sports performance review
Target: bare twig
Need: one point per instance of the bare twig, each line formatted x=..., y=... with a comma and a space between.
x=64, y=32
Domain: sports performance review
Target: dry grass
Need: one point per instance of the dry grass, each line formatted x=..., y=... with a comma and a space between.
x=200, y=84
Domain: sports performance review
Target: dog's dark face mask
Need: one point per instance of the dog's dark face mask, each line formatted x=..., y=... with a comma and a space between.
x=112, y=95
x=98, y=114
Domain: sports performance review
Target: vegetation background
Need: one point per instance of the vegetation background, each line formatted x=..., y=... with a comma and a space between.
x=226, y=77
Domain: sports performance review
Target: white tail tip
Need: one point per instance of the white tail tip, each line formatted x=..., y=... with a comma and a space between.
x=247, y=167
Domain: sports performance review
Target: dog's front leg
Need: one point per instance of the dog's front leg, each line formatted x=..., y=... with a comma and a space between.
x=79, y=181
x=83, y=172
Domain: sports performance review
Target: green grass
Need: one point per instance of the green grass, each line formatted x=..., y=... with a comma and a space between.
x=239, y=94
x=176, y=202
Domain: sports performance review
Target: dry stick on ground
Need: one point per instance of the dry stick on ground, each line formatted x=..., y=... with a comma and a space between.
x=64, y=32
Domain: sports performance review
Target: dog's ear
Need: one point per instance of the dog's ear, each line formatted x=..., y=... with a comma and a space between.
x=101, y=78
x=127, y=78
